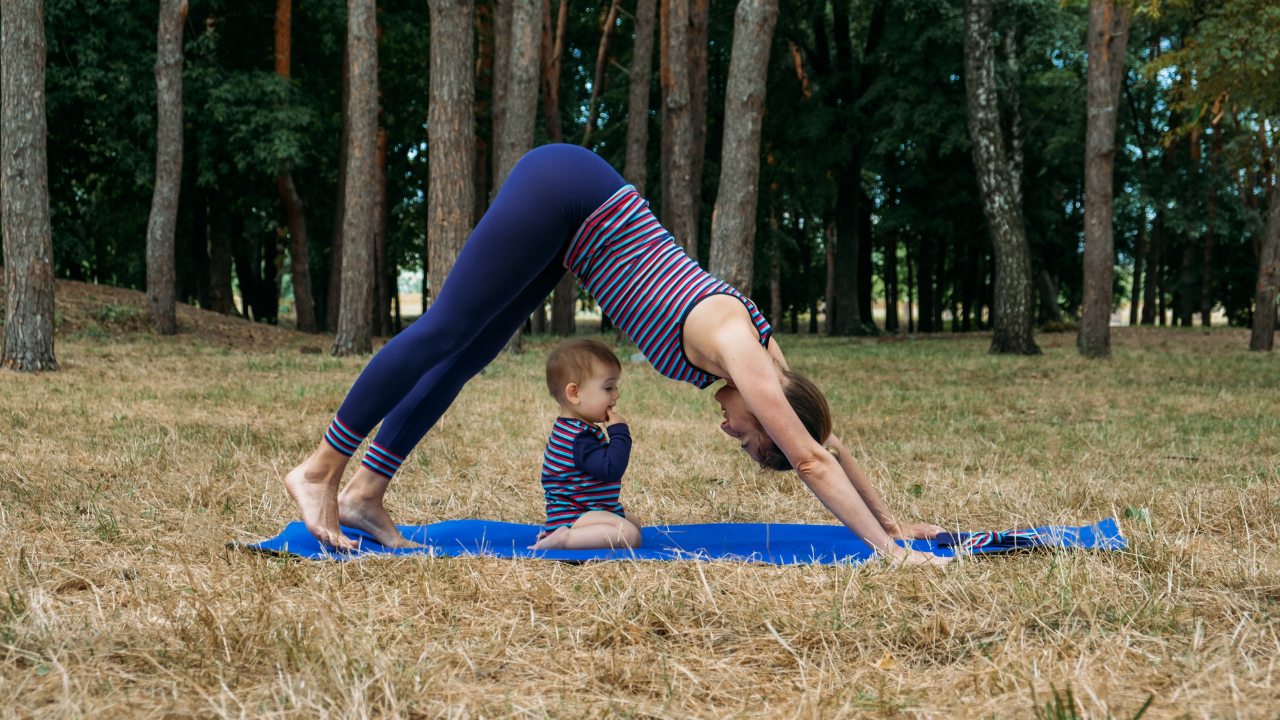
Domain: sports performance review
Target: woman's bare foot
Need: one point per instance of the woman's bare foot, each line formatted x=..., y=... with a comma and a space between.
x=554, y=541
x=360, y=506
x=313, y=485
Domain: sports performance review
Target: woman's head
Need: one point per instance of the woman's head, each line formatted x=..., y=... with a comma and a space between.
x=806, y=400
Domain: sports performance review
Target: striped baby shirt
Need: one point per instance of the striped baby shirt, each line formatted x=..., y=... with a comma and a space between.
x=582, y=470
x=645, y=283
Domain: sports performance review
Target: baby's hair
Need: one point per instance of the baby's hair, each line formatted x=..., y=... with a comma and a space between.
x=574, y=360
x=814, y=413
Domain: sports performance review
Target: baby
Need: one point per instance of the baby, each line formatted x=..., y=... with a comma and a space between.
x=582, y=469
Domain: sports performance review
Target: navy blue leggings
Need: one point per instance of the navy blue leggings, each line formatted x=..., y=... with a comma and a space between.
x=507, y=268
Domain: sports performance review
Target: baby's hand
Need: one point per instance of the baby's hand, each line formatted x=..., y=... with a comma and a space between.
x=611, y=417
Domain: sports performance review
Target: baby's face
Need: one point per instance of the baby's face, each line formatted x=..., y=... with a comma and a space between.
x=597, y=394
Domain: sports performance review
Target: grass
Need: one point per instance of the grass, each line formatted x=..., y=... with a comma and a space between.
x=122, y=478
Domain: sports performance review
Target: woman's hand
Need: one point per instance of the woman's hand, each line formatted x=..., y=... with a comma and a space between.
x=903, y=557
x=919, y=531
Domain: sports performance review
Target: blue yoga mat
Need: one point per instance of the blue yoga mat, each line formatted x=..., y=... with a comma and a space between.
x=750, y=542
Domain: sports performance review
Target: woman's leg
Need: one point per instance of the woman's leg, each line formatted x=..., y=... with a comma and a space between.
x=547, y=196
x=360, y=505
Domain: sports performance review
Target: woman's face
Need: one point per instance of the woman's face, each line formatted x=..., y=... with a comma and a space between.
x=740, y=424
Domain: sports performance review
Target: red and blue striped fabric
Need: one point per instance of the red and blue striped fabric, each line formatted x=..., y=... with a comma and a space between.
x=570, y=492
x=381, y=460
x=342, y=439
x=645, y=283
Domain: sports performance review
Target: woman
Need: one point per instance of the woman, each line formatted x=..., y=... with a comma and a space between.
x=564, y=207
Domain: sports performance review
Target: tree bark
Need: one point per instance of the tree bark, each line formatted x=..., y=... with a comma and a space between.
x=353, y=336
x=24, y=192
x=385, y=275
x=164, y=199
x=1011, y=306
x=299, y=254
x=520, y=114
x=1108, y=35
x=699, y=19
x=1049, y=296
x=451, y=124
x=775, y=274
x=564, y=303
x=552, y=60
x=679, y=215
x=1215, y=150
x=1139, y=256
x=828, y=321
x=1151, y=286
x=221, y=297
x=636, y=168
x=1262, y=337
x=484, y=81
x=502, y=10
x=597, y=84
x=865, y=279
x=333, y=305
x=733, y=223
x=891, y=283
x=1187, y=288
x=199, y=244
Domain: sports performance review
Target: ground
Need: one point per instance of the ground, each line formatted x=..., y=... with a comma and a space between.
x=123, y=476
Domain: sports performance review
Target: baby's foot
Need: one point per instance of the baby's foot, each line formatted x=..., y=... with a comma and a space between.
x=372, y=517
x=314, y=487
x=554, y=541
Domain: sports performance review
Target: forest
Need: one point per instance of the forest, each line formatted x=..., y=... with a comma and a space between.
x=868, y=215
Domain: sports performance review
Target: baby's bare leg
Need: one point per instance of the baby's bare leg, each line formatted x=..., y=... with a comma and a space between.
x=595, y=530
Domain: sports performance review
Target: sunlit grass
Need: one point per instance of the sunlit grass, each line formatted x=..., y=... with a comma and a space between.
x=124, y=476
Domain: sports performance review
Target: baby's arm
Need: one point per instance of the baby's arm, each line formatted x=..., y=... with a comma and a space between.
x=604, y=463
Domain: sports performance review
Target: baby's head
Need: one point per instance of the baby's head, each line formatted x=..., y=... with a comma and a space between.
x=582, y=375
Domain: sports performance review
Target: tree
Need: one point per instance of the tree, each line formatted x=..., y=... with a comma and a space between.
x=334, y=309
x=450, y=194
x=164, y=200
x=552, y=59
x=597, y=85
x=1011, y=307
x=24, y=192
x=678, y=213
x=299, y=255
x=353, y=336
x=1108, y=36
x=638, y=101
x=520, y=110
x=733, y=224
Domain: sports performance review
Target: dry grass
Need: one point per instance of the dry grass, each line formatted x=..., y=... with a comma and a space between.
x=123, y=476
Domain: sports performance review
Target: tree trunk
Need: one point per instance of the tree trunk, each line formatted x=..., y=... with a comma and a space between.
x=333, y=305
x=1011, y=307
x=484, y=81
x=940, y=279
x=1049, y=296
x=385, y=275
x=564, y=304
x=891, y=282
x=829, y=320
x=552, y=59
x=1215, y=150
x=502, y=10
x=1264, y=310
x=451, y=124
x=164, y=198
x=1108, y=35
x=353, y=336
x=299, y=254
x=1187, y=290
x=638, y=103
x=597, y=84
x=1151, y=287
x=678, y=213
x=699, y=19
x=911, y=283
x=521, y=112
x=924, y=281
x=199, y=244
x=733, y=223
x=221, y=297
x=865, y=279
x=1139, y=256
x=775, y=274
x=24, y=192
x=848, y=313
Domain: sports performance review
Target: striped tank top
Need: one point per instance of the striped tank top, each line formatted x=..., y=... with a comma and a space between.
x=645, y=283
x=569, y=491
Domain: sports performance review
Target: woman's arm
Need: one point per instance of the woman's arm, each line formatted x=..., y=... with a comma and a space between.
x=869, y=495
